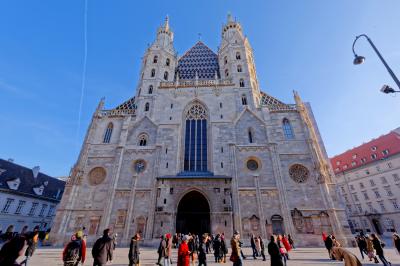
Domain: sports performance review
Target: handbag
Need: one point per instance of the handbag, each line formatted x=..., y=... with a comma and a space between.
x=233, y=258
x=282, y=250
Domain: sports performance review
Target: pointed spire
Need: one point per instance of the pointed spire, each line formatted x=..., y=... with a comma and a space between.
x=230, y=19
x=166, y=23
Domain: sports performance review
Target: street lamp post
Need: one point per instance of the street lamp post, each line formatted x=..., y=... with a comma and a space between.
x=360, y=59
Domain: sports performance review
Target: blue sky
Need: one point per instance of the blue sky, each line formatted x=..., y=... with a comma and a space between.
x=298, y=45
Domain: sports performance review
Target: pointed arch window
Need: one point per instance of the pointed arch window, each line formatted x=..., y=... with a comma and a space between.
x=108, y=133
x=167, y=62
x=143, y=139
x=151, y=89
x=226, y=72
x=250, y=135
x=153, y=73
x=238, y=56
x=241, y=83
x=287, y=129
x=147, y=107
x=244, y=100
x=195, y=159
x=239, y=68
x=155, y=59
x=166, y=75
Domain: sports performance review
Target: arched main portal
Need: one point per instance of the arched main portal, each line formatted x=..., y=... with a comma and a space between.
x=193, y=214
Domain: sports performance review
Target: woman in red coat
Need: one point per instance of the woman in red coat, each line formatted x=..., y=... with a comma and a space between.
x=183, y=252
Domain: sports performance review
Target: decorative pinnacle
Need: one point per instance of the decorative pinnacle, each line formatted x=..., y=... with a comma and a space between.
x=230, y=19
x=166, y=24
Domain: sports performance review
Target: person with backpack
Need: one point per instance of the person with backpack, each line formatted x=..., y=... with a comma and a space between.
x=75, y=251
x=102, y=250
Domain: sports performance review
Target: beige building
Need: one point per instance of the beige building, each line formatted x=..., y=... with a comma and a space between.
x=200, y=148
x=368, y=179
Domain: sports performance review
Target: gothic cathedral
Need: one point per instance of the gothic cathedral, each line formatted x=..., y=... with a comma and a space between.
x=200, y=148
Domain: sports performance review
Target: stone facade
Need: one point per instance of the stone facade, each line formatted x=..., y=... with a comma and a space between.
x=200, y=128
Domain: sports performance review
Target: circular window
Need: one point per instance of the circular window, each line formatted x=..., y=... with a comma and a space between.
x=252, y=165
x=139, y=166
x=97, y=175
x=299, y=173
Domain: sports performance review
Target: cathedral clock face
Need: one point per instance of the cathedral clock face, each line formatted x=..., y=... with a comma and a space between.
x=139, y=166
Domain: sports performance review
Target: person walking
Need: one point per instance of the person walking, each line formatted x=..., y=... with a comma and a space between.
x=224, y=248
x=203, y=251
x=378, y=246
x=291, y=241
x=329, y=245
x=12, y=250
x=217, y=248
x=102, y=250
x=165, y=250
x=370, y=249
x=253, y=247
x=236, y=250
x=282, y=249
x=183, y=252
x=258, y=247
x=349, y=258
x=396, y=242
x=32, y=240
x=134, y=251
x=75, y=251
x=287, y=245
x=160, y=250
x=262, y=248
x=362, y=245
x=274, y=252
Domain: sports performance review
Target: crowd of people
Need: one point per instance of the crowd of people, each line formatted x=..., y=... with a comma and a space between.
x=191, y=248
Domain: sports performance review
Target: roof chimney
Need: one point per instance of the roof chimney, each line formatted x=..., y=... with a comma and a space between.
x=35, y=171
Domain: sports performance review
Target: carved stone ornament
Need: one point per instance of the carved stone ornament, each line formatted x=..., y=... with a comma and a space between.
x=299, y=173
x=97, y=175
x=139, y=166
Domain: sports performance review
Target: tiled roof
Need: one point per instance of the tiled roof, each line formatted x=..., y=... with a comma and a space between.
x=128, y=105
x=11, y=171
x=372, y=151
x=199, y=59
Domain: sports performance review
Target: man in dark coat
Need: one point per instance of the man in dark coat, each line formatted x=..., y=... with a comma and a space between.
x=329, y=244
x=253, y=247
x=274, y=253
x=203, y=251
x=262, y=248
x=102, y=250
x=134, y=250
x=32, y=239
x=217, y=248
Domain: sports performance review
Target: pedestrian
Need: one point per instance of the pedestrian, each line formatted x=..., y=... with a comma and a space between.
x=160, y=250
x=328, y=244
x=343, y=254
x=75, y=251
x=24, y=230
x=286, y=245
x=253, y=247
x=134, y=250
x=203, y=251
x=291, y=241
x=236, y=250
x=224, y=248
x=258, y=247
x=183, y=252
x=217, y=248
x=12, y=250
x=102, y=250
x=9, y=234
x=396, y=242
x=362, y=245
x=282, y=249
x=370, y=249
x=378, y=246
x=32, y=240
x=262, y=248
x=274, y=252
x=241, y=250
x=164, y=250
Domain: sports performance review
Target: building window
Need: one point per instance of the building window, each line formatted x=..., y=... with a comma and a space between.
x=166, y=165
x=147, y=107
x=371, y=209
x=353, y=163
x=354, y=156
x=195, y=158
x=363, y=160
x=21, y=204
x=394, y=203
x=33, y=209
x=51, y=211
x=360, y=210
x=239, y=68
x=222, y=165
x=352, y=187
x=167, y=62
x=226, y=72
x=287, y=129
x=244, y=100
x=389, y=224
x=385, y=152
x=155, y=59
x=150, y=89
x=108, y=133
x=388, y=191
x=143, y=140
x=372, y=182
x=377, y=194
x=237, y=55
x=172, y=105
x=6, y=207
x=241, y=83
x=222, y=149
x=373, y=148
x=166, y=75
x=365, y=195
x=44, y=207
x=166, y=150
x=383, y=179
x=373, y=156
x=361, y=185
x=153, y=73
x=396, y=177
x=355, y=196
x=250, y=135
x=382, y=205
x=225, y=60
x=252, y=165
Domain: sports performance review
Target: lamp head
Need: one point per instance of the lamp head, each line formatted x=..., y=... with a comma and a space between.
x=387, y=89
x=358, y=59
